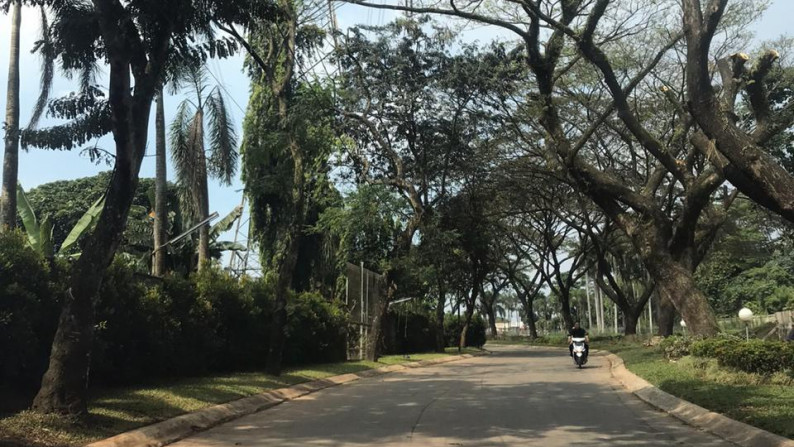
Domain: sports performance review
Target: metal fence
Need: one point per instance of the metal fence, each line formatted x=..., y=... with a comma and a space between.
x=363, y=291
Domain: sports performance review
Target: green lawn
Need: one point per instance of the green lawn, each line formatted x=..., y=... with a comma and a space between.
x=764, y=402
x=116, y=410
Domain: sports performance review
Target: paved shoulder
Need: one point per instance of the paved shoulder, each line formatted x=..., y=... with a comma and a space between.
x=516, y=397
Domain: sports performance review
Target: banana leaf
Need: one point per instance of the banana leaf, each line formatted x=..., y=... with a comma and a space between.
x=45, y=238
x=86, y=224
x=28, y=217
x=226, y=223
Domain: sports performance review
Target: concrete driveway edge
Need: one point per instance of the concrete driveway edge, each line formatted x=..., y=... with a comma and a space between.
x=183, y=426
x=731, y=430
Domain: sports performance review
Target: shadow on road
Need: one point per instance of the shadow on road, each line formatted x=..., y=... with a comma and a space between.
x=515, y=398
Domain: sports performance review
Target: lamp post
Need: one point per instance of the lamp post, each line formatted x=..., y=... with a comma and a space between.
x=746, y=315
x=683, y=326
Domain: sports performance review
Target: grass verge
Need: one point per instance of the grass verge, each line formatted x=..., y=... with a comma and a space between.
x=116, y=410
x=766, y=402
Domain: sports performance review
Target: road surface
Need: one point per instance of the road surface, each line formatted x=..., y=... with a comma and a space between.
x=515, y=397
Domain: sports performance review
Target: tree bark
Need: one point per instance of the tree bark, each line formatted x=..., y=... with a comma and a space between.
x=375, y=338
x=530, y=317
x=630, y=321
x=491, y=314
x=565, y=310
x=442, y=301
x=665, y=316
x=676, y=284
x=466, y=322
x=8, y=195
x=202, y=201
x=286, y=268
x=161, y=190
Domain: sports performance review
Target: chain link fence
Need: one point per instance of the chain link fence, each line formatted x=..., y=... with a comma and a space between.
x=363, y=292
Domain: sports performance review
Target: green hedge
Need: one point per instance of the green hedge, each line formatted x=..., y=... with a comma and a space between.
x=408, y=331
x=754, y=356
x=150, y=329
x=475, y=335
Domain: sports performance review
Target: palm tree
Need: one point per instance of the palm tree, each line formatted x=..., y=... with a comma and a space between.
x=8, y=194
x=189, y=154
x=8, y=202
x=161, y=185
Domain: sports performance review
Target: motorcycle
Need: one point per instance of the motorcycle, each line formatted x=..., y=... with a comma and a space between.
x=579, y=353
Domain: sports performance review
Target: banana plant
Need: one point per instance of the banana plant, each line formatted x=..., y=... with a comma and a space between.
x=40, y=233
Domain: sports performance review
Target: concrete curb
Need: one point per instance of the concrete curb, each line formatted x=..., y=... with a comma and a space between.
x=180, y=427
x=694, y=415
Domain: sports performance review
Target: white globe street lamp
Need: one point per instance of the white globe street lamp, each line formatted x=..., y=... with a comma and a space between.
x=683, y=326
x=746, y=315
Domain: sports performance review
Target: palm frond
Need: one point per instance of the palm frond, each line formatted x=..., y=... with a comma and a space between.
x=223, y=140
x=182, y=154
x=195, y=142
x=88, y=76
x=47, y=54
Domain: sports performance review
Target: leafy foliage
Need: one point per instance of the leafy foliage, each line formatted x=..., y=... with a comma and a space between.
x=475, y=336
x=753, y=356
x=675, y=347
x=28, y=310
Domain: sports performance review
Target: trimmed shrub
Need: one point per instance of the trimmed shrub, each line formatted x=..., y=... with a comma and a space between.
x=675, y=347
x=758, y=356
x=475, y=335
x=713, y=347
x=754, y=356
x=209, y=322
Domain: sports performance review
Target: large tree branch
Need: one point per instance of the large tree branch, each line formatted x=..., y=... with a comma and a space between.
x=448, y=12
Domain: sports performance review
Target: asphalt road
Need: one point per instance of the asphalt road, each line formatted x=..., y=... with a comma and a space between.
x=515, y=397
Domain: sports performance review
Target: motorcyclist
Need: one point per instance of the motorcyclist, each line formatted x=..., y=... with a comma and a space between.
x=578, y=332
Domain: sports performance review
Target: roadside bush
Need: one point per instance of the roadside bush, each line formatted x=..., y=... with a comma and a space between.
x=475, y=335
x=754, y=356
x=148, y=328
x=316, y=330
x=406, y=332
x=759, y=356
x=209, y=322
x=28, y=311
x=713, y=347
x=675, y=347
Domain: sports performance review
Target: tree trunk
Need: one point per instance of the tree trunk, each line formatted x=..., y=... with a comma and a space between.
x=8, y=195
x=489, y=311
x=676, y=284
x=466, y=323
x=442, y=301
x=375, y=338
x=64, y=385
x=630, y=318
x=161, y=191
x=533, y=330
x=286, y=267
x=202, y=203
x=565, y=310
x=665, y=316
